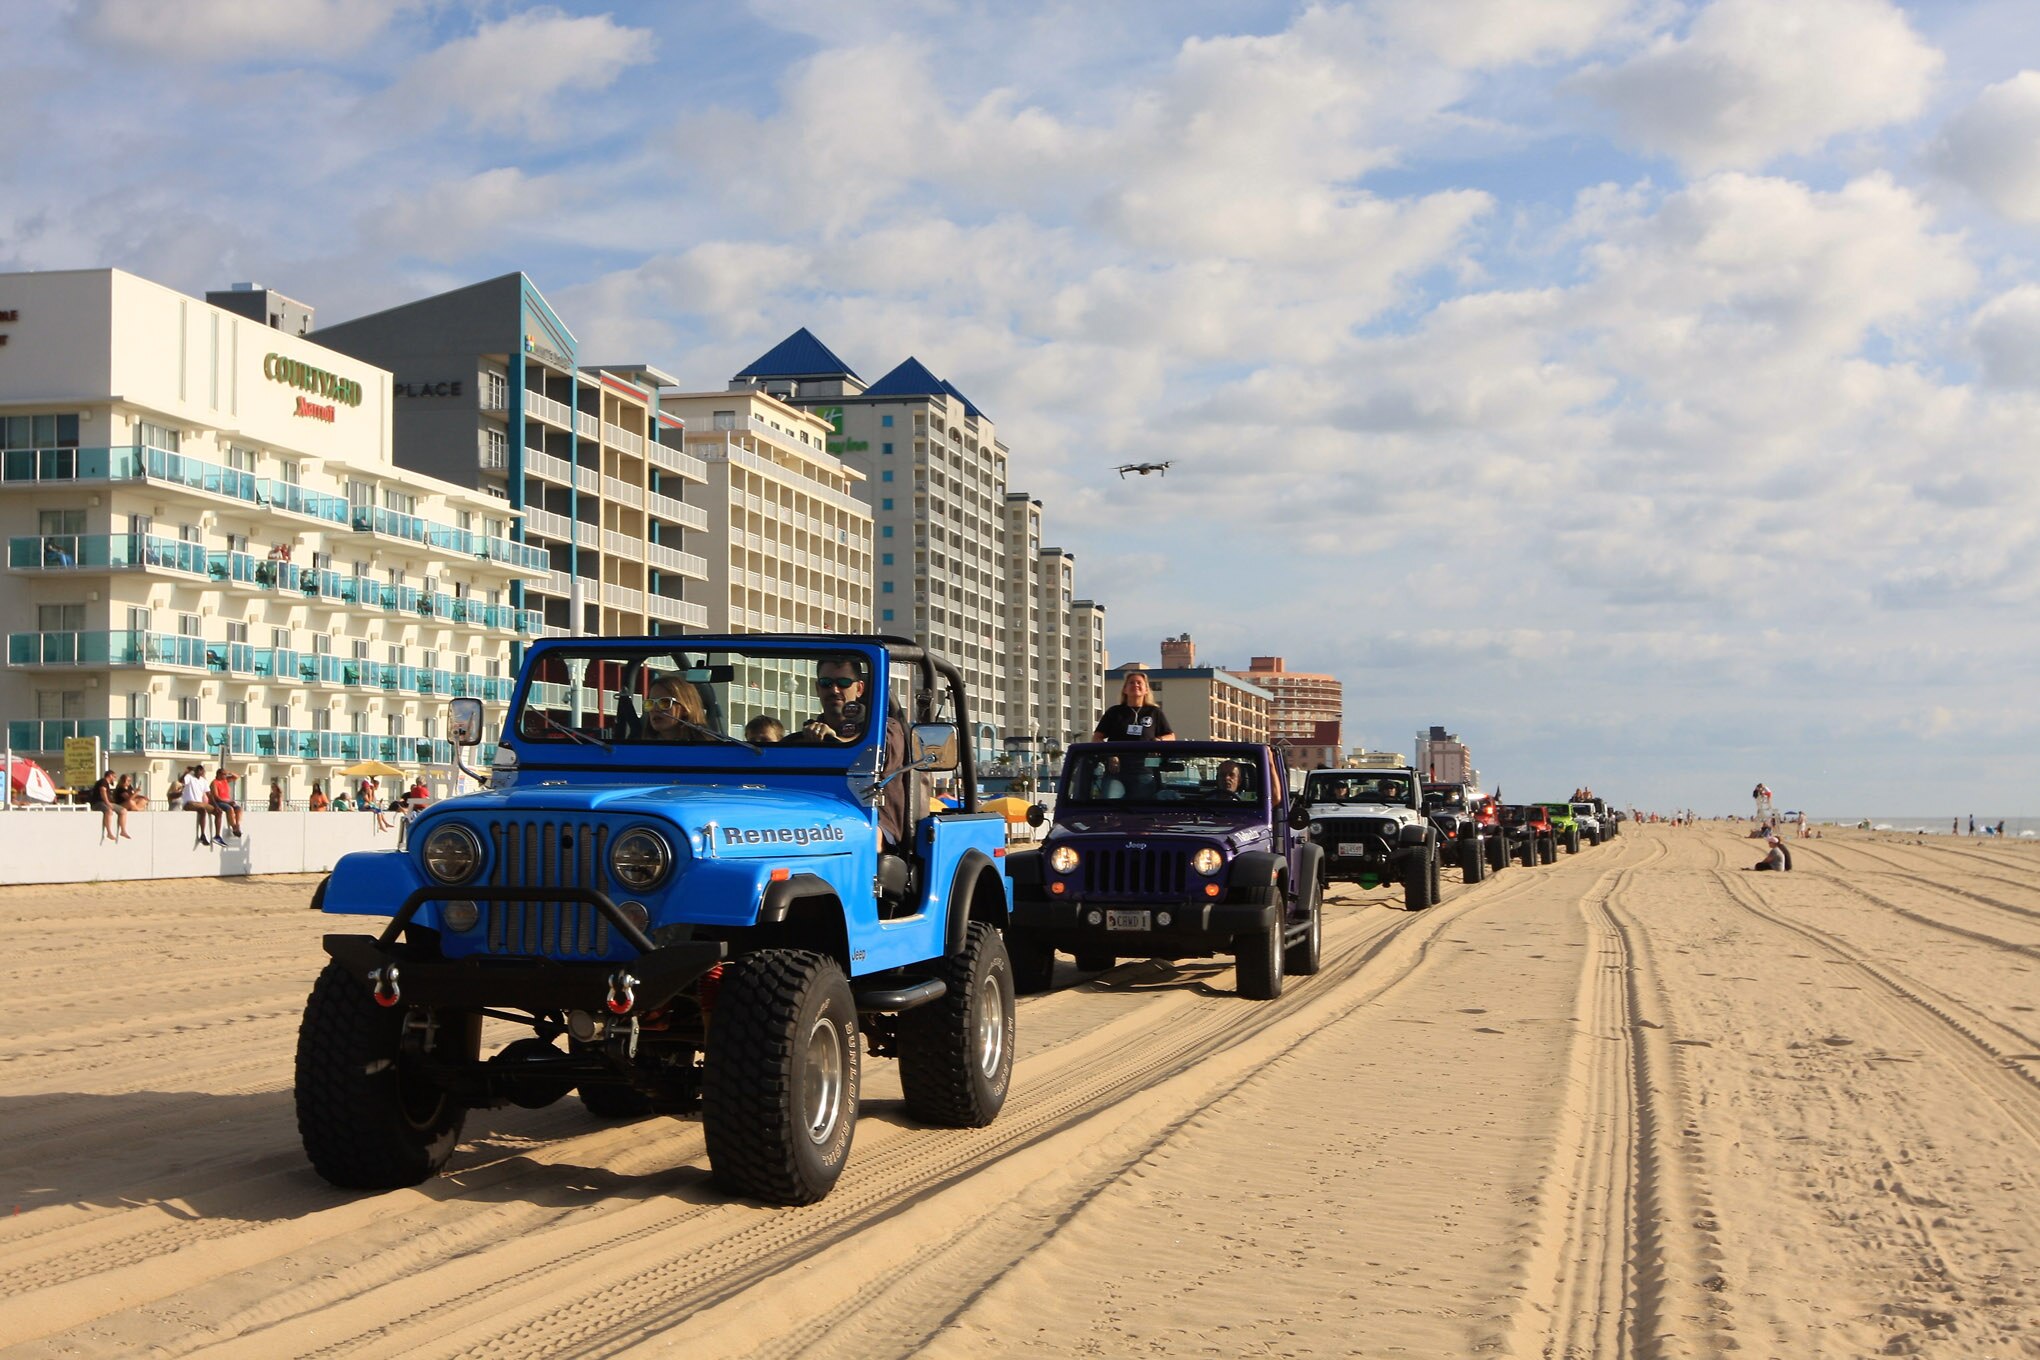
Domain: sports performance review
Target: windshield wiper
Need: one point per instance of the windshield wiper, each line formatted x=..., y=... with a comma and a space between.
x=576, y=733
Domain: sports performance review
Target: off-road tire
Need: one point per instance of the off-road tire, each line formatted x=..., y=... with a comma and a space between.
x=1418, y=883
x=779, y=1085
x=1437, y=875
x=1032, y=960
x=368, y=1117
x=1497, y=852
x=1472, y=859
x=956, y=1053
x=1303, y=958
x=1257, y=962
x=1572, y=841
x=1547, y=850
x=1528, y=850
x=1095, y=961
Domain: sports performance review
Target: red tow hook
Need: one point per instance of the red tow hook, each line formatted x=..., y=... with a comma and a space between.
x=383, y=985
x=621, y=995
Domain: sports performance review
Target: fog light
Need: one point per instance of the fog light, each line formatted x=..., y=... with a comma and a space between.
x=1163, y=918
x=635, y=913
x=459, y=916
x=1096, y=918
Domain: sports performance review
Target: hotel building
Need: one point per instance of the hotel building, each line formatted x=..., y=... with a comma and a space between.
x=1204, y=703
x=1305, y=713
x=951, y=569
x=792, y=541
x=213, y=555
x=489, y=392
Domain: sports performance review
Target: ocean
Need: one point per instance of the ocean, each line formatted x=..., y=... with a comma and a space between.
x=1938, y=826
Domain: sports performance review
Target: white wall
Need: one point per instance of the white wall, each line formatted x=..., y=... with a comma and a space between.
x=66, y=847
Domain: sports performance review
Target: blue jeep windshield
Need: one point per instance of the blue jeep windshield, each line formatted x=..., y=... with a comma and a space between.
x=669, y=696
x=1158, y=779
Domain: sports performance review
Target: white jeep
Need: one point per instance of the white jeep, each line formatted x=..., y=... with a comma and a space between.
x=1371, y=826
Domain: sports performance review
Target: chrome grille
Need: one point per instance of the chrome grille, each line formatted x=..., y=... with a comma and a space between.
x=1134, y=873
x=539, y=854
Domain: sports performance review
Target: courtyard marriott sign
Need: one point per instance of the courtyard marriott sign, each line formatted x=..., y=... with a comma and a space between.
x=337, y=390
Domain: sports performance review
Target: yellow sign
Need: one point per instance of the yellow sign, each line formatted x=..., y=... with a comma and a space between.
x=81, y=762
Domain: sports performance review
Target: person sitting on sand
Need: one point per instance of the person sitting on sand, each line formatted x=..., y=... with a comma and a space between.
x=1776, y=858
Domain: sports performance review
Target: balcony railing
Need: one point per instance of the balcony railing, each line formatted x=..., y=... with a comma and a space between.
x=106, y=648
x=105, y=552
x=142, y=736
x=546, y=409
x=587, y=425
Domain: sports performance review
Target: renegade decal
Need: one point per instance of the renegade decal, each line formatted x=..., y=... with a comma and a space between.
x=780, y=835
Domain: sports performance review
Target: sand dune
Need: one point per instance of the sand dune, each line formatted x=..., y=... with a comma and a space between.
x=1638, y=1103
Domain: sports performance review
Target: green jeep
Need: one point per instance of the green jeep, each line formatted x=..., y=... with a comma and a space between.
x=1564, y=826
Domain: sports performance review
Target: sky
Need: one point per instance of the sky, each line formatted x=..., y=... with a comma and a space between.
x=1646, y=390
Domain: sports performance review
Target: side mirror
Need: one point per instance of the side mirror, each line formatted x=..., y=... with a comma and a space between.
x=464, y=722
x=1299, y=817
x=932, y=746
x=1036, y=814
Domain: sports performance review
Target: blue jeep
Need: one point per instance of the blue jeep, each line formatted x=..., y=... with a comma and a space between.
x=682, y=915
x=1171, y=849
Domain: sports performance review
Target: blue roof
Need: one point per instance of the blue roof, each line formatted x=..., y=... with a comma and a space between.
x=799, y=355
x=969, y=408
x=912, y=379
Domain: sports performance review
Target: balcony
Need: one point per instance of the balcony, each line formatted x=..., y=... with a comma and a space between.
x=677, y=462
x=546, y=409
x=619, y=438
x=677, y=511
x=587, y=425
x=90, y=650
x=628, y=546
x=622, y=492
x=143, y=463
x=556, y=470
x=676, y=611
x=587, y=480
x=623, y=597
x=548, y=523
x=105, y=552
x=672, y=559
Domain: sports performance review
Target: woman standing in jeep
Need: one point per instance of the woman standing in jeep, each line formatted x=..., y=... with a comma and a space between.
x=1136, y=717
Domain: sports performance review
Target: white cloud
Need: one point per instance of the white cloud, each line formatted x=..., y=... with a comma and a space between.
x=1992, y=147
x=2006, y=335
x=235, y=30
x=1757, y=79
x=1489, y=33
x=512, y=73
x=450, y=218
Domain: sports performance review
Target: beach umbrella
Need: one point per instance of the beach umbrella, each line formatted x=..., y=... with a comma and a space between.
x=31, y=780
x=372, y=769
x=1012, y=809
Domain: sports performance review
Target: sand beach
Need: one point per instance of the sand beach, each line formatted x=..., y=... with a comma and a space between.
x=1640, y=1102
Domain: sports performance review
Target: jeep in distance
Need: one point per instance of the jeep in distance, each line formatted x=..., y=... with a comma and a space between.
x=1170, y=849
x=1530, y=834
x=678, y=916
x=1468, y=841
x=1372, y=826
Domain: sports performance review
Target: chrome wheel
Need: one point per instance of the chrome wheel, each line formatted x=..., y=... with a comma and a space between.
x=822, y=1080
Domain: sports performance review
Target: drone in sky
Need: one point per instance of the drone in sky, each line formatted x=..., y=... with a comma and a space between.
x=1143, y=469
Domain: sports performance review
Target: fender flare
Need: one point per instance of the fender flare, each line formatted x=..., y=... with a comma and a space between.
x=1310, y=864
x=971, y=868
x=1255, y=870
x=780, y=896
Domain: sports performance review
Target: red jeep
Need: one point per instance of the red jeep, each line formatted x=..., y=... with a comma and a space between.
x=1530, y=833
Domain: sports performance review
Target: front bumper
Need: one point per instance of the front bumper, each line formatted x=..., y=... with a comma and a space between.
x=525, y=982
x=1193, y=926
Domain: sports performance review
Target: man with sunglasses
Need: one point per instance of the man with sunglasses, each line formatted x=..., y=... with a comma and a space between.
x=839, y=684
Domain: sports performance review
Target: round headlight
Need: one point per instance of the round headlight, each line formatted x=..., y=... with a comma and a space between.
x=1317, y=828
x=452, y=854
x=1062, y=859
x=640, y=859
x=460, y=917
x=1207, y=861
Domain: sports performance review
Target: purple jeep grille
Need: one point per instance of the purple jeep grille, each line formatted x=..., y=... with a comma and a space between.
x=1127, y=874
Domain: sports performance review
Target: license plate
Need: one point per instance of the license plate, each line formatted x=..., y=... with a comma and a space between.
x=1126, y=920
x=1349, y=849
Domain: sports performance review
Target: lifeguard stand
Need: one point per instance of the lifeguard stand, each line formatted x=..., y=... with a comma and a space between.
x=1766, y=809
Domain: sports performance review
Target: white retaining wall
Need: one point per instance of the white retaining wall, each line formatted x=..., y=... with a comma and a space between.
x=66, y=847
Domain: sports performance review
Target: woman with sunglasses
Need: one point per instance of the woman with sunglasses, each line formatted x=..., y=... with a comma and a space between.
x=673, y=704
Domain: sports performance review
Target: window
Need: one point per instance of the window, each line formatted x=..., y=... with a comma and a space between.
x=187, y=709
x=360, y=494
x=237, y=713
x=156, y=436
x=322, y=721
x=885, y=587
x=495, y=391
x=401, y=502
x=885, y=559
x=240, y=459
x=886, y=475
x=40, y=432
x=361, y=649
x=886, y=448
x=887, y=422
x=886, y=614
x=187, y=625
x=322, y=644
x=495, y=449
x=279, y=715
x=725, y=420
x=357, y=722
x=885, y=504
x=885, y=531
x=395, y=725
x=396, y=656
x=280, y=637
x=237, y=632
x=59, y=703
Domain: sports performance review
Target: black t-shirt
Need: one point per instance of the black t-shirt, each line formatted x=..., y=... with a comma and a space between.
x=1146, y=723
